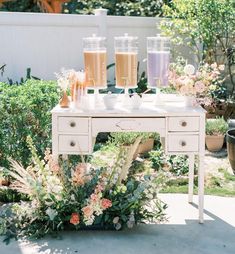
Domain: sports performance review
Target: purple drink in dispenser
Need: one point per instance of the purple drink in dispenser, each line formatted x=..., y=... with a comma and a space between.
x=158, y=59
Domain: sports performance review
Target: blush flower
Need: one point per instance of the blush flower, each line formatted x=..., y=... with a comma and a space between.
x=221, y=67
x=106, y=203
x=75, y=219
x=87, y=211
x=199, y=87
x=94, y=198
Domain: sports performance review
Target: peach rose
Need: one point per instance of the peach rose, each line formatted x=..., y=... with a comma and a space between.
x=75, y=219
x=106, y=203
x=87, y=210
x=55, y=168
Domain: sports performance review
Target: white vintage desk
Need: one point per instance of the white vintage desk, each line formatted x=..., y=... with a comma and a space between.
x=182, y=131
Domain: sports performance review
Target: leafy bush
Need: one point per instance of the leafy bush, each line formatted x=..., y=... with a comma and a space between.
x=209, y=22
x=128, y=138
x=216, y=126
x=25, y=110
x=20, y=6
x=178, y=165
x=147, y=8
x=158, y=159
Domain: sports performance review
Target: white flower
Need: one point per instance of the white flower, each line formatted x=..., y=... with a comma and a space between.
x=115, y=220
x=51, y=213
x=80, y=75
x=118, y=226
x=72, y=197
x=132, y=218
x=221, y=67
x=63, y=83
x=130, y=224
x=189, y=69
x=214, y=65
x=89, y=221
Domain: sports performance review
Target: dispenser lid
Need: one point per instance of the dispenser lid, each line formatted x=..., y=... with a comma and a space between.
x=126, y=43
x=159, y=42
x=126, y=37
x=94, y=41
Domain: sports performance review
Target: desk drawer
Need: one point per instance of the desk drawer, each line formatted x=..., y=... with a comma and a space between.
x=183, y=123
x=73, y=144
x=128, y=124
x=183, y=143
x=73, y=124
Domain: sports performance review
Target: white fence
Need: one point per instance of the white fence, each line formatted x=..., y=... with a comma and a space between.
x=48, y=42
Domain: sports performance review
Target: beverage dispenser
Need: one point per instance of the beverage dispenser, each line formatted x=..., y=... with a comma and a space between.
x=126, y=51
x=95, y=61
x=158, y=59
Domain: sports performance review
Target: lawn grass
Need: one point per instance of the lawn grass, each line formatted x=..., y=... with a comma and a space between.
x=216, y=191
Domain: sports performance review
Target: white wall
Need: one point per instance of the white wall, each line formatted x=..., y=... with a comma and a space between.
x=48, y=42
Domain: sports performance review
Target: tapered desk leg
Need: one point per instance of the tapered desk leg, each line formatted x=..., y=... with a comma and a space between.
x=201, y=188
x=191, y=177
x=201, y=170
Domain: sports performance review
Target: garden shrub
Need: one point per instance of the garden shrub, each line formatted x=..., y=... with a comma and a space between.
x=147, y=8
x=25, y=110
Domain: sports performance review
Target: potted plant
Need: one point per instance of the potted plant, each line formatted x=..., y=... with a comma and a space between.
x=230, y=138
x=128, y=138
x=215, y=131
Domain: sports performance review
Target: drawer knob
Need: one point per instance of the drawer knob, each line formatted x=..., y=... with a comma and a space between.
x=183, y=123
x=183, y=143
x=72, y=124
x=72, y=143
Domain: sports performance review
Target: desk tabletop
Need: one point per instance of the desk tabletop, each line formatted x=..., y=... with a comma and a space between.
x=147, y=109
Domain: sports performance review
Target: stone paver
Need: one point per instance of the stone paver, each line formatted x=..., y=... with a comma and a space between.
x=181, y=234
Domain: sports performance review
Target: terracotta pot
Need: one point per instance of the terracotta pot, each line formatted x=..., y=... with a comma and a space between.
x=214, y=143
x=144, y=147
x=230, y=137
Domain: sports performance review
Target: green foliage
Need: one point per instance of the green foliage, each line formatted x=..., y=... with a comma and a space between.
x=147, y=8
x=158, y=159
x=179, y=164
x=210, y=22
x=128, y=138
x=216, y=126
x=64, y=196
x=9, y=195
x=20, y=6
x=25, y=110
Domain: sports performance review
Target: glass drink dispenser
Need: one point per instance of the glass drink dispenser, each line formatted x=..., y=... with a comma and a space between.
x=126, y=51
x=158, y=59
x=95, y=61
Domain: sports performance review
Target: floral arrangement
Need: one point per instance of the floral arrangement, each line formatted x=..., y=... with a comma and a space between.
x=67, y=195
x=200, y=83
x=74, y=81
